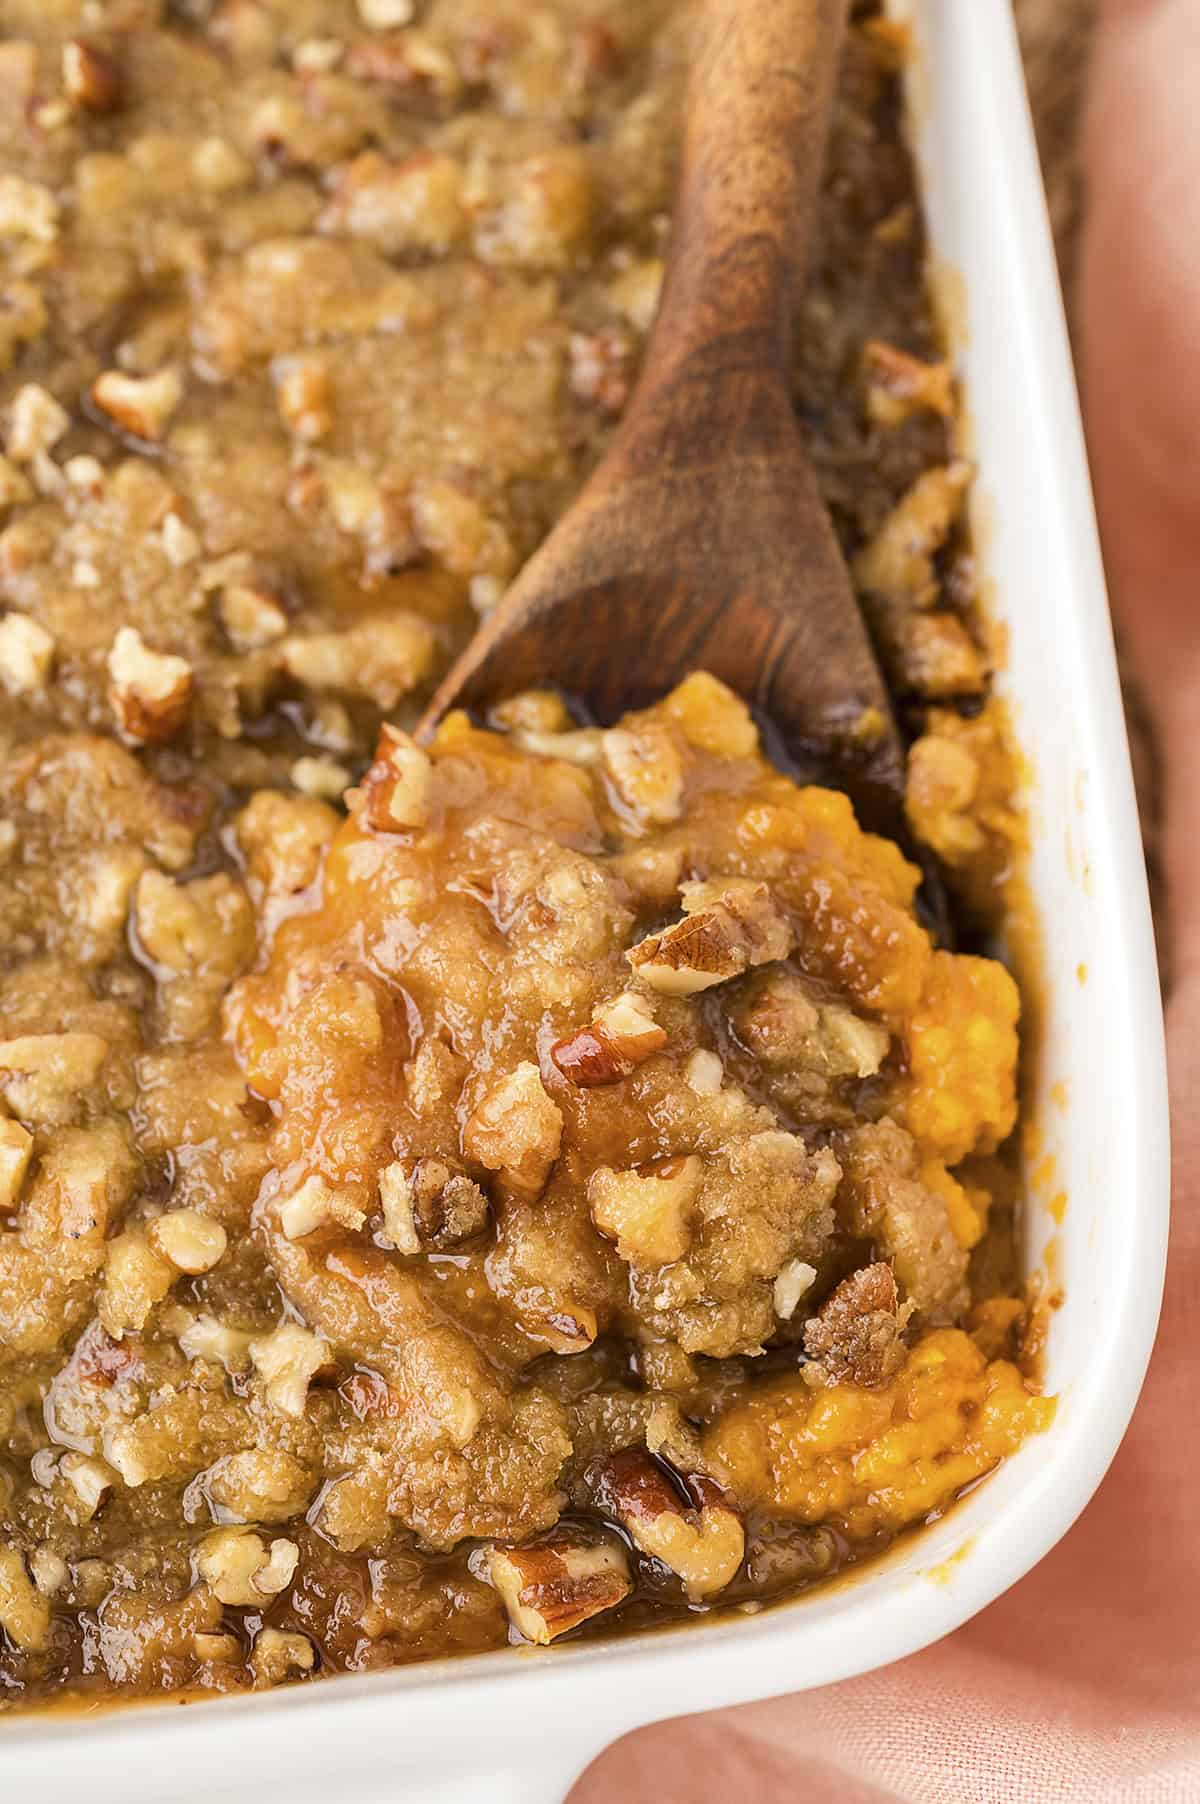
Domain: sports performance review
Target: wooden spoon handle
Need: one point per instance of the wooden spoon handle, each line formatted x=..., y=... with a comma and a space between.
x=753, y=153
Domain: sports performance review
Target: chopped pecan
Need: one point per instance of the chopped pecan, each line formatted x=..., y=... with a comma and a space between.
x=304, y=395
x=704, y=1073
x=36, y=422
x=413, y=206
x=856, y=1333
x=24, y=1612
x=279, y=1654
x=201, y=929
x=897, y=565
x=645, y=770
x=315, y=1205
x=701, y=1540
x=324, y=779
x=136, y=1279
x=91, y=78
x=204, y=1337
x=180, y=544
x=239, y=1568
x=385, y=15
x=381, y=658
x=426, y=1206
x=728, y=925
x=789, y=1024
x=408, y=63
x=26, y=655
x=251, y=615
x=554, y=1587
x=287, y=1360
x=141, y=405
x=89, y=1480
x=218, y=167
x=150, y=691
x=795, y=1279
x=192, y=1241
x=601, y=369
x=899, y=384
x=623, y=1035
x=27, y=210
x=532, y=711
x=647, y=1211
x=516, y=1130
x=636, y=292
x=317, y=56
x=395, y=792
x=16, y=1149
x=225, y=1649
x=43, y=1075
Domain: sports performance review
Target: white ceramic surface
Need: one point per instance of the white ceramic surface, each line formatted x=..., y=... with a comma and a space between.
x=523, y=1725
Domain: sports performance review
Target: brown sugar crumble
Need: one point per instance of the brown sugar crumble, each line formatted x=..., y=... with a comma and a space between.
x=539, y=1183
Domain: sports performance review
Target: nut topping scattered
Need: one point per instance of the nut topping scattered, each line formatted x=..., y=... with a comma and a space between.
x=251, y=616
x=427, y=1207
x=287, y=1360
x=16, y=1149
x=857, y=1331
x=516, y=1130
x=316, y=1205
x=26, y=655
x=702, y=1541
x=150, y=691
x=394, y=795
x=190, y=1240
x=623, y=1035
x=728, y=925
x=140, y=405
x=647, y=1211
x=241, y=1570
x=899, y=384
x=36, y=422
x=92, y=79
x=554, y=1587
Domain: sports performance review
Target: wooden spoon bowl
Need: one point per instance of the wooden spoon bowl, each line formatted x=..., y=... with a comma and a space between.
x=701, y=540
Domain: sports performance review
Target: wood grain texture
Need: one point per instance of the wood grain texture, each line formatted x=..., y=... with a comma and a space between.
x=702, y=540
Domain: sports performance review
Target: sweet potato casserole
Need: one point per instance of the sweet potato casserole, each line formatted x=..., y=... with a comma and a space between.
x=547, y=1180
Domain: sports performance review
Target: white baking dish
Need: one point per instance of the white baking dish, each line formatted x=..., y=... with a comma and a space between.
x=521, y=1725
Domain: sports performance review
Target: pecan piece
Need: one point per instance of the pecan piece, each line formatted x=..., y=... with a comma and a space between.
x=287, y=1360
x=647, y=1211
x=191, y=1240
x=550, y=1589
x=16, y=1150
x=394, y=794
x=92, y=80
x=26, y=655
x=856, y=1333
x=251, y=616
x=426, y=1206
x=702, y=1541
x=150, y=691
x=141, y=405
x=516, y=1130
x=728, y=925
x=623, y=1035
x=900, y=385
x=240, y=1569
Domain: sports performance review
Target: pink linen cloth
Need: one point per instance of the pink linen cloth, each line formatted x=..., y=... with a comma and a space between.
x=1083, y=1683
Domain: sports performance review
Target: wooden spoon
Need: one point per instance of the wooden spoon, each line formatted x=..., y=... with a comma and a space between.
x=701, y=541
